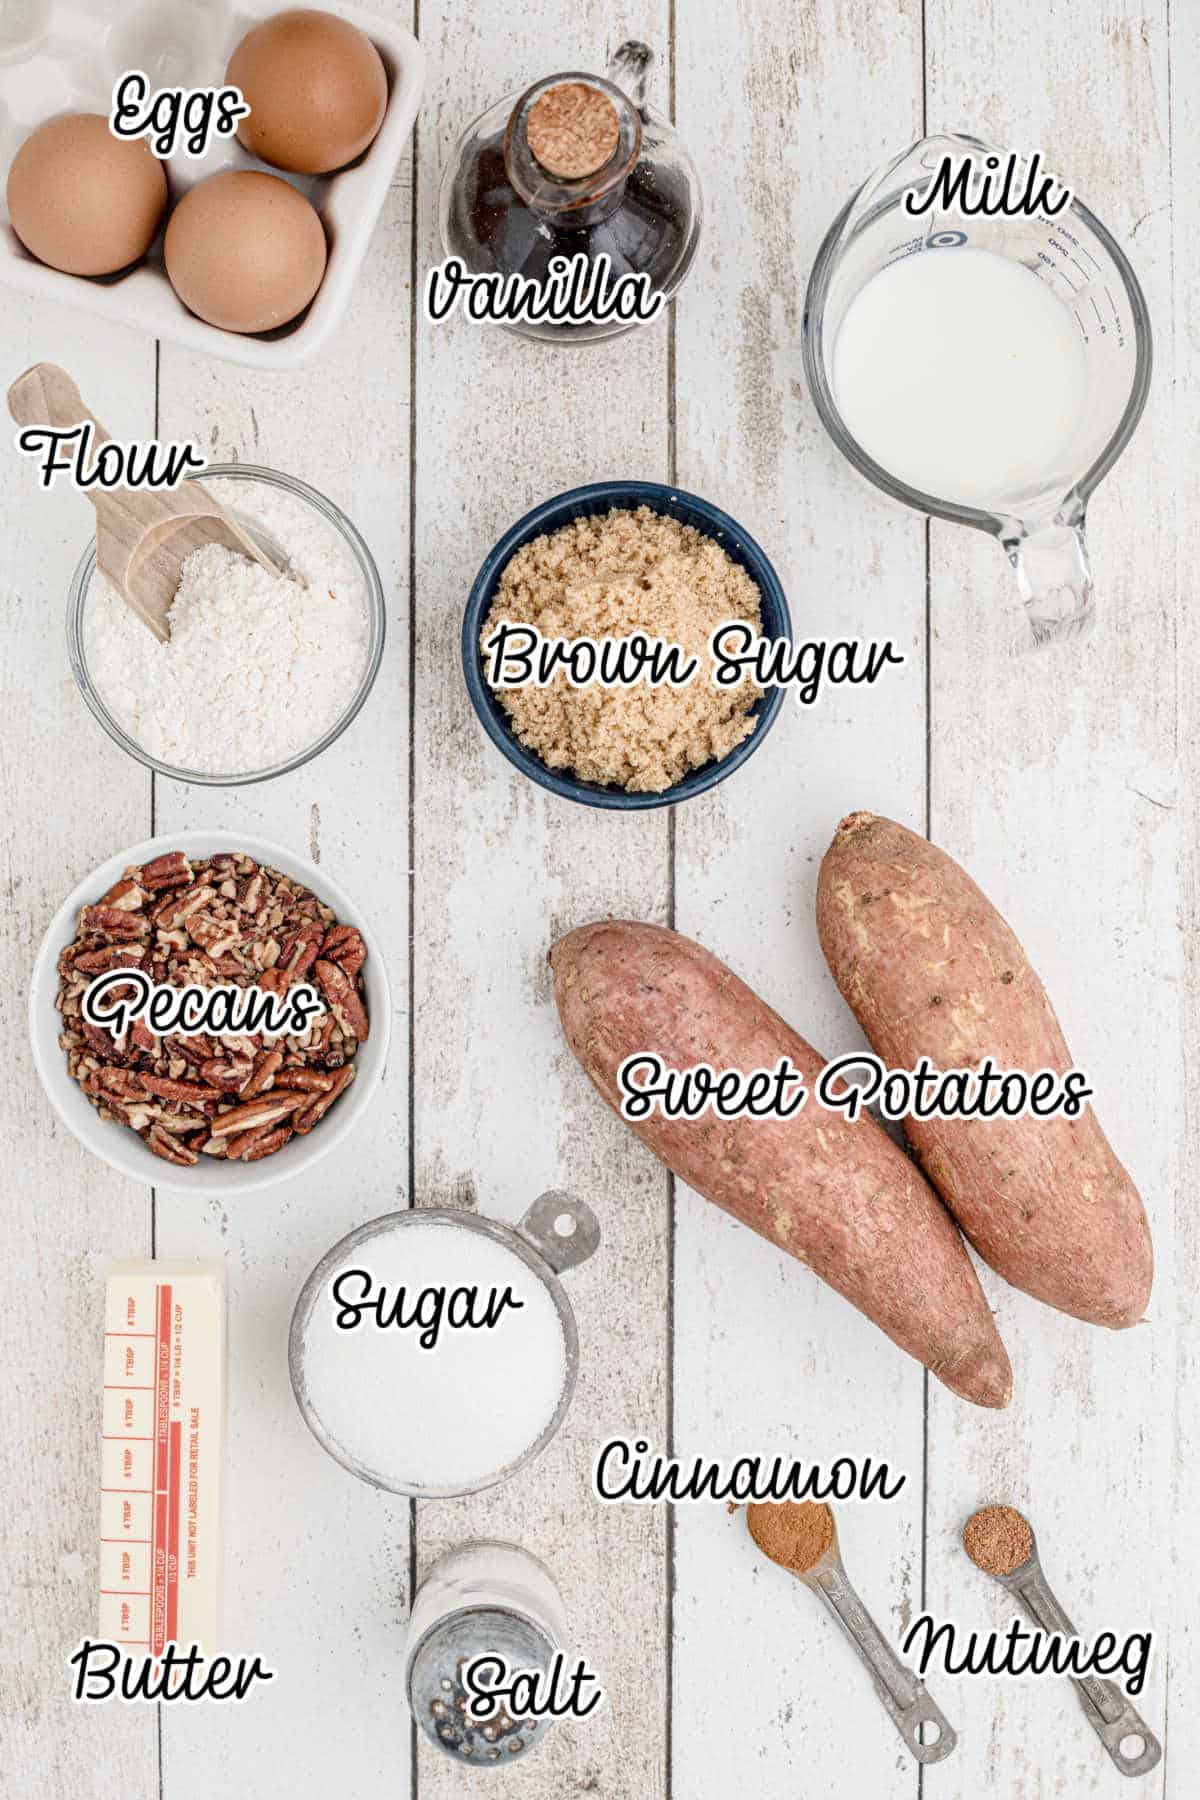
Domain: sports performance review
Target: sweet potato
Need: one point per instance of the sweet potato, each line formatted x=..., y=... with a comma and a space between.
x=841, y=1197
x=931, y=969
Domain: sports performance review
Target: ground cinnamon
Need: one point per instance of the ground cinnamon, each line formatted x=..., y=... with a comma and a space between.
x=794, y=1533
x=997, y=1539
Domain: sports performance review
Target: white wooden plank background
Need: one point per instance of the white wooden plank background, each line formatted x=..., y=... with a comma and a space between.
x=1066, y=784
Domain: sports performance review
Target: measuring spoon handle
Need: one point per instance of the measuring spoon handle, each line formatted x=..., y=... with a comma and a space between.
x=1105, y=1706
x=903, y=1695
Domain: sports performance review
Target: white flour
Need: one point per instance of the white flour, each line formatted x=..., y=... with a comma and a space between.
x=258, y=668
x=451, y=1416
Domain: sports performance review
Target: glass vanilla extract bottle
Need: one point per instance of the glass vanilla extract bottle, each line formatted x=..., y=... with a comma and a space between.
x=584, y=195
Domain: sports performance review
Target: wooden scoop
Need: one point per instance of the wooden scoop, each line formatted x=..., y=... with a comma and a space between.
x=143, y=535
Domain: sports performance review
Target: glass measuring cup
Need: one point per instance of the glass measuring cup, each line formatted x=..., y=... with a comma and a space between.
x=1042, y=526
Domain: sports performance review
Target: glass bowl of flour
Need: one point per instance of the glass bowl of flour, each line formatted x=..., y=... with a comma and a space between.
x=262, y=672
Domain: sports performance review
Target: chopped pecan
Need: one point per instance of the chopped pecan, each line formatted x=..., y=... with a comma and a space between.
x=112, y=922
x=136, y=1116
x=243, y=1140
x=190, y=967
x=215, y=936
x=125, y=895
x=119, y=1084
x=249, y=1146
x=309, y=1081
x=268, y=1145
x=170, y=913
x=197, y=1049
x=344, y=945
x=301, y=951
x=105, y=1044
x=249, y=895
x=170, y=870
x=319, y=1105
x=264, y=1073
x=181, y=1124
x=187, y=1093
x=170, y=1148
x=111, y=956
x=344, y=1002
x=229, y=1074
x=267, y=1110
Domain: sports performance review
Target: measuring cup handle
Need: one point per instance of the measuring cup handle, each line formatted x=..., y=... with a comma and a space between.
x=1055, y=579
x=564, y=1231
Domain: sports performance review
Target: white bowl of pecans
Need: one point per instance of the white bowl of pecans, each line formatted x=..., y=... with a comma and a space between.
x=205, y=1110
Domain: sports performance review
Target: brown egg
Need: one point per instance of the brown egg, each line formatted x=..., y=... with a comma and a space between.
x=81, y=199
x=245, y=251
x=316, y=89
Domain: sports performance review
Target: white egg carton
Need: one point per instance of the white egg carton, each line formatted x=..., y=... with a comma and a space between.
x=61, y=56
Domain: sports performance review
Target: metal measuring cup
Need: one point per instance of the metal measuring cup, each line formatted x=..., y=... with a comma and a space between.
x=919, y=1720
x=1106, y=1708
x=556, y=1234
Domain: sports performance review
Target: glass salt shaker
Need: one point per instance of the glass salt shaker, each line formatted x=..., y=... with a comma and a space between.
x=481, y=1599
x=576, y=165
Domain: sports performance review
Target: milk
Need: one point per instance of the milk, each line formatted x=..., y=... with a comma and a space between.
x=959, y=372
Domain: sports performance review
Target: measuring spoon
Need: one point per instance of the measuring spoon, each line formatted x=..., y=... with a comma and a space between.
x=920, y=1722
x=1105, y=1706
x=143, y=535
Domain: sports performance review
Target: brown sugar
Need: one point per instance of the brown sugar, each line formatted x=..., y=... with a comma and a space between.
x=793, y=1533
x=610, y=576
x=997, y=1539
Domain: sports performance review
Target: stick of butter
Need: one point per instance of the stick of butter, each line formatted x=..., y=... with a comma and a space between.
x=163, y=1446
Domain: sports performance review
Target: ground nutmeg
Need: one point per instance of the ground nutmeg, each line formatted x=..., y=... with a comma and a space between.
x=997, y=1539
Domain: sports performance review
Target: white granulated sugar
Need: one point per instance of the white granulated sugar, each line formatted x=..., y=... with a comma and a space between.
x=451, y=1416
x=258, y=667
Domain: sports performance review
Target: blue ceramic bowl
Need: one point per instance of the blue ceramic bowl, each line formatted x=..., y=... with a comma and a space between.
x=583, y=502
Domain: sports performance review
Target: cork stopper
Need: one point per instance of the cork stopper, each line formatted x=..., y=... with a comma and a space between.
x=573, y=130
